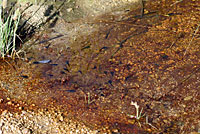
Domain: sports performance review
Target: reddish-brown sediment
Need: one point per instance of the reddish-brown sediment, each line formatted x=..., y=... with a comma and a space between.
x=146, y=60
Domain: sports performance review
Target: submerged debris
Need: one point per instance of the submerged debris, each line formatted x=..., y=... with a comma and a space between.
x=42, y=62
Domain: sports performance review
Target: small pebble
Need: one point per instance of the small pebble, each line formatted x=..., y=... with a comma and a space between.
x=26, y=131
x=9, y=103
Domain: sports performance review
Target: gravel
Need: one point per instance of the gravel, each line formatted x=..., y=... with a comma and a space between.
x=28, y=122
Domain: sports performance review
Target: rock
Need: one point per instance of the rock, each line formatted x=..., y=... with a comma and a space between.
x=94, y=7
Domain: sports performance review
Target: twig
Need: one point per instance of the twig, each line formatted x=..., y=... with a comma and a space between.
x=178, y=1
x=127, y=38
x=192, y=39
x=147, y=122
x=142, y=9
x=88, y=99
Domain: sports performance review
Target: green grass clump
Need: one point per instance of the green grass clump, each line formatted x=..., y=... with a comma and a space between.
x=9, y=22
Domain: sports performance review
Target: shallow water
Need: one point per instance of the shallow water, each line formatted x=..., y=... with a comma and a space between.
x=95, y=76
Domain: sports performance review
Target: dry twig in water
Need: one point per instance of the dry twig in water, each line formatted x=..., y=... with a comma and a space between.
x=192, y=39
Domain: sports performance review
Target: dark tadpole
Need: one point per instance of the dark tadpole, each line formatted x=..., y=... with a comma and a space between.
x=103, y=48
x=51, y=75
x=24, y=76
x=36, y=62
x=86, y=47
x=67, y=62
x=128, y=77
x=80, y=71
x=71, y=91
x=54, y=64
x=95, y=67
x=108, y=33
x=110, y=82
x=48, y=46
x=105, y=72
x=112, y=73
x=62, y=72
x=164, y=57
x=66, y=69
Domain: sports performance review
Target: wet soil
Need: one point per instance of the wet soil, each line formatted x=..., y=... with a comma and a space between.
x=153, y=60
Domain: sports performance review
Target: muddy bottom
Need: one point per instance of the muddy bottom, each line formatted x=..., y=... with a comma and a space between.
x=153, y=61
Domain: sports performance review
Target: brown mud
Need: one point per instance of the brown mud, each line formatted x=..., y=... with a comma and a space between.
x=153, y=60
